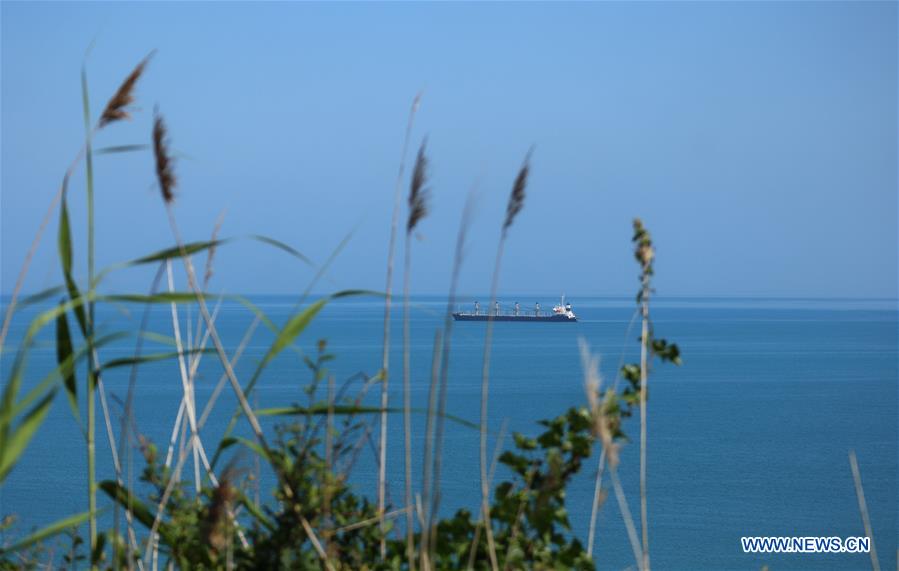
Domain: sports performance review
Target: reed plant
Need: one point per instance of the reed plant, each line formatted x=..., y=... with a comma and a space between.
x=418, y=209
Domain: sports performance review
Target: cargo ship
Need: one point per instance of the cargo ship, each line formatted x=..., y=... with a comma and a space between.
x=561, y=313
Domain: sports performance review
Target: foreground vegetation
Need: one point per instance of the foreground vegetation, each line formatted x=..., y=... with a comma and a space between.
x=313, y=517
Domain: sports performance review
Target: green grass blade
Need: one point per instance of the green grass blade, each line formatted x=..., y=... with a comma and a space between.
x=64, y=239
x=47, y=532
x=139, y=510
x=65, y=359
x=281, y=246
x=121, y=149
x=11, y=448
x=152, y=357
x=56, y=373
x=323, y=409
x=40, y=296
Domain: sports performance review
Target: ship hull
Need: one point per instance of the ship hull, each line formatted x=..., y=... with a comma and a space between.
x=539, y=318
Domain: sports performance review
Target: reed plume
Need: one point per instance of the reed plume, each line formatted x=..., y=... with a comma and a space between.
x=418, y=209
x=117, y=108
x=217, y=524
x=418, y=193
x=514, y=206
x=516, y=198
x=164, y=164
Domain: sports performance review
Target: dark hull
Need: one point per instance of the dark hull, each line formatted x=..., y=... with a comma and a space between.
x=547, y=318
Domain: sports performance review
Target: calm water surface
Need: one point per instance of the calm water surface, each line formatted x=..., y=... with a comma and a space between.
x=749, y=437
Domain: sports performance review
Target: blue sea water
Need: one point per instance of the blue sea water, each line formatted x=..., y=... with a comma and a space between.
x=749, y=437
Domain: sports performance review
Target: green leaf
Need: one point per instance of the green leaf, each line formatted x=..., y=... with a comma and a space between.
x=121, y=149
x=56, y=373
x=49, y=531
x=249, y=444
x=322, y=409
x=65, y=360
x=40, y=296
x=255, y=511
x=163, y=297
x=282, y=246
x=177, y=252
x=296, y=325
x=138, y=360
x=64, y=238
x=139, y=510
x=13, y=446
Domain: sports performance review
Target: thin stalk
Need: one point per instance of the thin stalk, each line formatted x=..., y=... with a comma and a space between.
x=216, y=341
x=597, y=494
x=425, y=517
x=329, y=460
x=485, y=395
x=644, y=378
x=190, y=405
x=863, y=508
x=385, y=355
x=92, y=365
x=447, y=344
x=407, y=407
x=497, y=449
x=626, y=515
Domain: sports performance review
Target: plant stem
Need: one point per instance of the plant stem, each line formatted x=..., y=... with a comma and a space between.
x=644, y=377
x=425, y=515
x=407, y=407
x=461, y=238
x=597, y=493
x=385, y=355
x=92, y=365
x=863, y=508
x=485, y=392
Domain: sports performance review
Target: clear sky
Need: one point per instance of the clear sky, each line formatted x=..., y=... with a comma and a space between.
x=757, y=140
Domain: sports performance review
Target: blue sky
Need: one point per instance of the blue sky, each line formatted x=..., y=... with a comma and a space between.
x=757, y=140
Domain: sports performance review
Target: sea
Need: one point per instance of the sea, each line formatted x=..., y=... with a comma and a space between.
x=750, y=436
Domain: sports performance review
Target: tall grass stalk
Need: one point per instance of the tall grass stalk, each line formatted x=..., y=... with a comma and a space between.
x=189, y=405
x=385, y=355
x=592, y=387
x=597, y=486
x=437, y=393
x=863, y=509
x=125, y=447
x=115, y=110
x=644, y=254
x=418, y=209
x=497, y=450
x=514, y=206
x=92, y=365
x=424, y=508
x=644, y=377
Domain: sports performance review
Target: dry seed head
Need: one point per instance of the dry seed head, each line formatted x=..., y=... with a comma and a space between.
x=117, y=108
x=418, y=193
x=217, y=522
x=516, y=198
x=643, y=250
x=164, y=164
